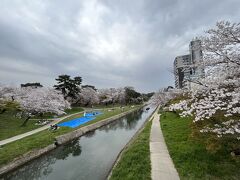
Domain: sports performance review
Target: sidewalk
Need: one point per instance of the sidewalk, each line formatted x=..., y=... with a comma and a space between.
x=29, y=133
x=161, y=162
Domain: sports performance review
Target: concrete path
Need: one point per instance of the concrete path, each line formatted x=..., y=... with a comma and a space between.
x=20, y=136
x=161, y=162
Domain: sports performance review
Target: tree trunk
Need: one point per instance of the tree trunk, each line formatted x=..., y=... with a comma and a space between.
x=25, y=121
x=2, y=111
x=236, y=152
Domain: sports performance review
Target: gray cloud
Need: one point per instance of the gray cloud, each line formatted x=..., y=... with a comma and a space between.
x=110, y=43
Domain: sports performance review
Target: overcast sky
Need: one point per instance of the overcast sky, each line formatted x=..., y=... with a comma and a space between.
x=109, y=43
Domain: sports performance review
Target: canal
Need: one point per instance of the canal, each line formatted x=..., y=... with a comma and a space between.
x=88, y=158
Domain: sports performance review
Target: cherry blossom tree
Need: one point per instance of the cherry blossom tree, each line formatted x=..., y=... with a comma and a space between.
x=87, y=97
x=121, y=95
x=163, y=96
x=216, y=112
x=35, y=101
x=112, y=95
x=105, y=96
x=215, y=103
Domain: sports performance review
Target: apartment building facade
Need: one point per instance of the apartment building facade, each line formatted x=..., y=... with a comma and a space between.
x=187, y=68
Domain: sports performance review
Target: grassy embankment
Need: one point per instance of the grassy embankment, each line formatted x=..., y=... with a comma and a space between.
x=100, y=106
x=135, y=161
x=11, y=126
x=190, y=157
x=42, y=139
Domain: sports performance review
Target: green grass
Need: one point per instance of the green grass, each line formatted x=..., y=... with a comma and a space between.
x=44, y=116
x=106, y=106
x=74, y=110
x=11, y=126
x=42, y=139
x=135, y=162
x=190, y=157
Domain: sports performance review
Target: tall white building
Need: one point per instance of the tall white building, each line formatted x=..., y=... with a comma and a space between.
x=187, y=68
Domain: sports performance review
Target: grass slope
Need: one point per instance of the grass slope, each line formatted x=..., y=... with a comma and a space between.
x=190, y=157
x=135, y=161
x=11, y=126
x=74, y=110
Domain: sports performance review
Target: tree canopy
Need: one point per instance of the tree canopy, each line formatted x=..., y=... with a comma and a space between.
x=68, y=86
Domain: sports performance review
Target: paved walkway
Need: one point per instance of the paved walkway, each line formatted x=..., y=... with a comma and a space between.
x=161, y=162
x=20, y=136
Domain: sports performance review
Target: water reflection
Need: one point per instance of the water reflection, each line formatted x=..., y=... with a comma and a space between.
x=128, y=122
x=133, y=119
x=90, y=134
x=89, y=157
x=40, y=169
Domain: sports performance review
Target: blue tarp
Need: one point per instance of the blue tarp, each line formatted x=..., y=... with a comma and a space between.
x=92, y=114
x=82, y=120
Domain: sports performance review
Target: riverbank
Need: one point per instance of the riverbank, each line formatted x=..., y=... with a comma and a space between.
x=134, y=160
x=43, y=139
x=190, y=156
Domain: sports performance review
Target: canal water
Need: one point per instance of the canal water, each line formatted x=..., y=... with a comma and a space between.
x=88, y=158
